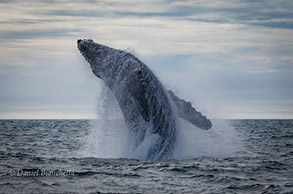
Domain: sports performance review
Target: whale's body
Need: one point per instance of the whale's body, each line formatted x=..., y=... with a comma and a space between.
x=147, y=107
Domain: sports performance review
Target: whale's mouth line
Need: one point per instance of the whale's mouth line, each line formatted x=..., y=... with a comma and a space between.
x=85, y=57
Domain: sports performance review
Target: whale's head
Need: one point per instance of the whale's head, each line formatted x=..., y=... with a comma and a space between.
x=97, y=55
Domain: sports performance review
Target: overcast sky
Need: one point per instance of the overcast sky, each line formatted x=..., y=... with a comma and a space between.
x=231, y=59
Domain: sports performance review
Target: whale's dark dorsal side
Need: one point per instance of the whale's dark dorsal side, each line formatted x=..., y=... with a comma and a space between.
x=146, y=106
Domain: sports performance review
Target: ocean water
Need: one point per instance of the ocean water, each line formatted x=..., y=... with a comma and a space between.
x=95, y=156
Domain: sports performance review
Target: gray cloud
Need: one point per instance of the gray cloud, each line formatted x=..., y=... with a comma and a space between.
x=259, y=13
x=249, y=12
x=30, y=21
x=31, y=34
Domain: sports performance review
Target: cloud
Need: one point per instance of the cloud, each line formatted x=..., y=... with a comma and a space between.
x=34, y=34
x=234, y=54
x=258, y=13
x=274, y=14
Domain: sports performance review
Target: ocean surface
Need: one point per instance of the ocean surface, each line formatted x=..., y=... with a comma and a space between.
x=94, y=156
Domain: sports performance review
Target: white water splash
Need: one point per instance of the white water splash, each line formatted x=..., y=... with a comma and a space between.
x=109, y=136
x=221, y=141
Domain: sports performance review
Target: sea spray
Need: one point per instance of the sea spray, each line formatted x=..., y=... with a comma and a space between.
x=109, y=136
x=221, y=141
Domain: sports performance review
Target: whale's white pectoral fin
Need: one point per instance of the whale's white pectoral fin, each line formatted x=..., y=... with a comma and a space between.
x=137, y=91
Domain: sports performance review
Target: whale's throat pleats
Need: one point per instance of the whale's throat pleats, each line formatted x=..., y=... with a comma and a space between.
x=136, y=86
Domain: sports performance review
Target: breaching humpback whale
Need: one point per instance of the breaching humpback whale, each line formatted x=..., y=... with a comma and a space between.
x=148, y=108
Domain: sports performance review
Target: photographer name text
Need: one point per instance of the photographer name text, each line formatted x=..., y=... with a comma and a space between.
x=39, y=173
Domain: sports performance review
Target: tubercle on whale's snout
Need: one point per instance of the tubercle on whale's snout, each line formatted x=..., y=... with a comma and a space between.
x=84, y=40
x=84, y=43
